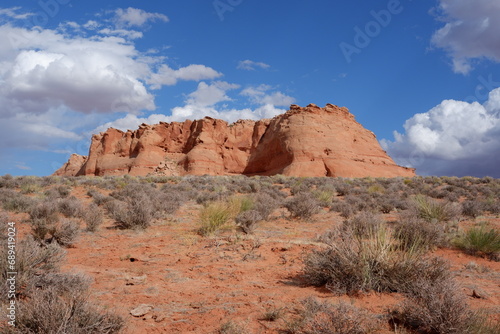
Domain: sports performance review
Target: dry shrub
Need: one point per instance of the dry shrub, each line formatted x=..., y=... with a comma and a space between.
x=13, y=201
x=434, y=307
x=414, y=231
x=49, y=301
x=326, y=318
x=47, y=211
x=345, y=209
x=134, y=213
x=97, y=197
x=265, y=205
x=363, y=224
x=231, y=327
x=70, y=207
x=304, y=205
x=53, y=309
x=247, y=220
x=66, y=233
x=375, y=262
x=93, y=216
x=31, y=258
x=472, y=208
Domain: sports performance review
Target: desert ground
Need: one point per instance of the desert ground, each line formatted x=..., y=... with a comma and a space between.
x=235, y=254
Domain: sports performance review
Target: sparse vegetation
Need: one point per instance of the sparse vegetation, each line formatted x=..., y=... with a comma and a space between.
x=93, y=216
x=214, y=216
x=375, y=261
x=380, y=241
x=325, y=318
x=247, y=220
x=434, y=211
x=435, y=307
x=479, y=240
x=304, y=205
x=231, y=327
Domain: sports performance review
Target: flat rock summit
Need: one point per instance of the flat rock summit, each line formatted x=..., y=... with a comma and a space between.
x=309, y=141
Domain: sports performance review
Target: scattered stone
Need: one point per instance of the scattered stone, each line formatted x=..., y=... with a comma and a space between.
x=141, y=310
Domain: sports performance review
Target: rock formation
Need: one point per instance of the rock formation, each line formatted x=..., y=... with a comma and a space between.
x=310, y=141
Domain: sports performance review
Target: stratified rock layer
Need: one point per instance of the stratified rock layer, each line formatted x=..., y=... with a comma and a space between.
x=310, y=141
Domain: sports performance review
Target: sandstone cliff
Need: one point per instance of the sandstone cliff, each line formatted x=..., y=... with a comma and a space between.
x=310, y=141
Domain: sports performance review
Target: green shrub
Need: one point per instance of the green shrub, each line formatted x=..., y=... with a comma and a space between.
x=47, y=211
x=479, y=239
x=272, y=314
x=432, y=210
x=324, y=196
x=215, y=216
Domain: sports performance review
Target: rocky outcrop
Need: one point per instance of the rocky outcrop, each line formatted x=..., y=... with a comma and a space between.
x=310, y=141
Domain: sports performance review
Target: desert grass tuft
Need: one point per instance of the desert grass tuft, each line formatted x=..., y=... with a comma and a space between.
x=479, y=240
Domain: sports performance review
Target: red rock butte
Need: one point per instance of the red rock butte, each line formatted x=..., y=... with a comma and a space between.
x=310, y=141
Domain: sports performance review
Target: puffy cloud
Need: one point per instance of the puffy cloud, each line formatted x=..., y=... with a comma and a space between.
x=55, y=84
x=453, y=138
x=168, y=76
x=86, y=75
x=250, y=65
x=136, y=17
x=259, y=95
x=132, y=122
x=470, y=31
x=206, y=101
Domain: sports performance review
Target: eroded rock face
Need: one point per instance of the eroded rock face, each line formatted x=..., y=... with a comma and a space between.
x=310, y=141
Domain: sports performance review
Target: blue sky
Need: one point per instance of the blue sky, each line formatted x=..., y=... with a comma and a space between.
x=424, y=76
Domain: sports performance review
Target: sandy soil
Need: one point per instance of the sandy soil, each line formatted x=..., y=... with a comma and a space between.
x=195, y=284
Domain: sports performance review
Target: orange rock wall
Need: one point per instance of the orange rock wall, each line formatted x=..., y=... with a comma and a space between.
x=308, y=141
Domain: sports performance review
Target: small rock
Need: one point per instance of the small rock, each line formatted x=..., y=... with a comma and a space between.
x=480, y=294
x=136, y=280
x=141, y=310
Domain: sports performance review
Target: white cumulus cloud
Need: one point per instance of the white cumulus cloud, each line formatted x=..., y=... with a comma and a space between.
x=168, y=76
x=471, y=31
x=454, y=138
x=55, y=84
x=259, y=95
x=208, y=100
